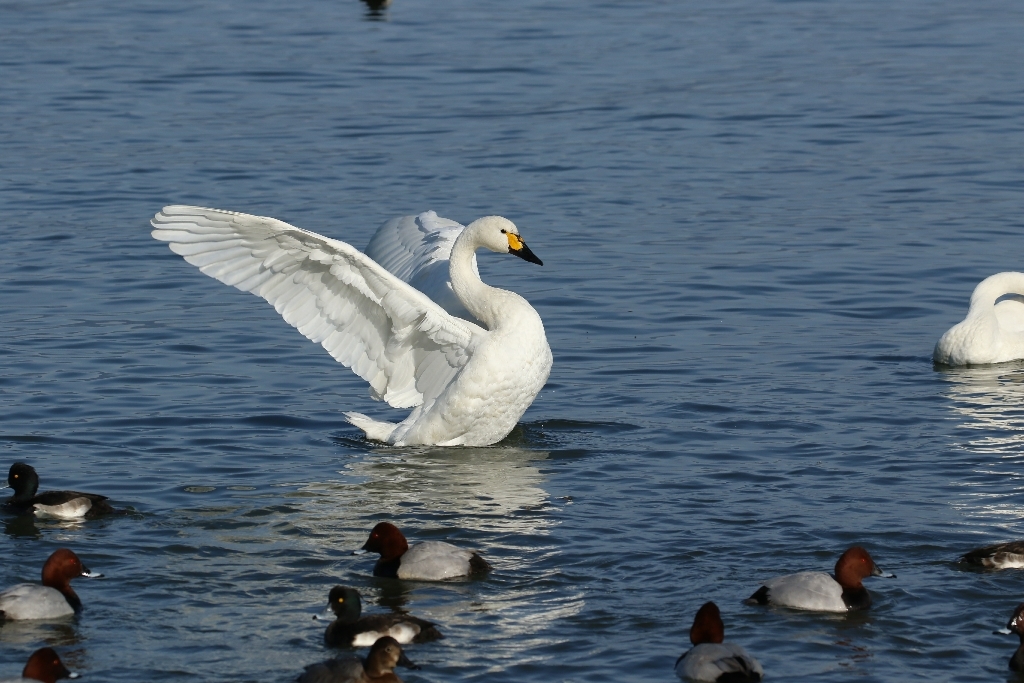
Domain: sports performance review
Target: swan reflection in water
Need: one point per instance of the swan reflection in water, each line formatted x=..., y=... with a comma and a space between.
x=488, y=499
x=989, y=400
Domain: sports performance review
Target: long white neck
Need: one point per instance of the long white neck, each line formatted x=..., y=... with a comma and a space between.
x=482, y=300
x=995, y=286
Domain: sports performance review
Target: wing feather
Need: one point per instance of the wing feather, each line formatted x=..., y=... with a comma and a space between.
x=417, y=250
x=392, y=335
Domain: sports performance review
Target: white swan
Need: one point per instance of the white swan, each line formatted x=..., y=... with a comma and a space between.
x=469, y=383
x=993, y=331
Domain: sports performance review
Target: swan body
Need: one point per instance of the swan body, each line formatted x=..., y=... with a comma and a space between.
x=993, y=331
x=411, y=316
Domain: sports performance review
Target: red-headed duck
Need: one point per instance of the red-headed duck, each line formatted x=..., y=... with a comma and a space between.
x=44, y=665
x=426, y=561
x=712, y=660
x=1016, y=625
x=820, y=592
x=349, y=629
x=999, y=556
x=58, y=504
x=54, y=598
x=378, y=667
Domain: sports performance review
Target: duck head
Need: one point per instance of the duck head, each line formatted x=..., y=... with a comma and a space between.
x=343, y=604
x=707, y=625
x=384, y=656
x=855, y=565
x=45, y=665
x=24, y=480
x=386, y=539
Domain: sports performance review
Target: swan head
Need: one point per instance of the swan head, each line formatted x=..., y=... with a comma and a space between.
x=501, y=235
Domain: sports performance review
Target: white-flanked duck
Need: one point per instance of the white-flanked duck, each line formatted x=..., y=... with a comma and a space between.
x=57, y=504
x=378, y=667
x=425, y=561
x=712, y=660
x=43, y=666
x=1009, y=555
x=350, y=629
x=53, y=598
x=993, y=331
x=821, y=592
x=468, y=379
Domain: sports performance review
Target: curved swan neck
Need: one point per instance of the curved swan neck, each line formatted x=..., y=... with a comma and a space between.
x=995, y=286
x=479, y=299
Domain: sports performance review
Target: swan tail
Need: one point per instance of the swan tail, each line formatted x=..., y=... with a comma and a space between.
x=376, y=430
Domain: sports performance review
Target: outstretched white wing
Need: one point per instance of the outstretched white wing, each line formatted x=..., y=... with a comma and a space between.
x=393, y=336
x=417, y=249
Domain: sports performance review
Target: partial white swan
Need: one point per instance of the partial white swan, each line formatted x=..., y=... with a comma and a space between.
x=392, y=314
x=993, y=331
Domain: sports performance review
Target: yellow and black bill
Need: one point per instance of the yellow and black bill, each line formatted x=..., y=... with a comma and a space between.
x=518, y=247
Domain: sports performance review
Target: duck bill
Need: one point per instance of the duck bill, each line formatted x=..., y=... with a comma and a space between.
x=525, y=253
x=361, y=551
x=875, y=571
x=70, y=674
x=404, y=661
x=87, y=573
x=1003, y=632
x=326, y=615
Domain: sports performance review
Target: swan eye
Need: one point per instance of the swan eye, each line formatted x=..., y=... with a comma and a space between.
x=503, y=231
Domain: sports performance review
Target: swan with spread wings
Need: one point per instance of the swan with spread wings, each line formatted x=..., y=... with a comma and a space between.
x=411, y=316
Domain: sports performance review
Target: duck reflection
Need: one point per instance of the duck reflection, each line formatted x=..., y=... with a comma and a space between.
x=61, y=633
x=27, y=525
x=22, y=526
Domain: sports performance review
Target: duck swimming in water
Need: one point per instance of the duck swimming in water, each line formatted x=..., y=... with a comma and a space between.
x=44, y=666
x=378, y=667
x=711, y=660
x=350, y=628
x=57, y=504
x=425, y=561
x=817, y=591
x=54, y=597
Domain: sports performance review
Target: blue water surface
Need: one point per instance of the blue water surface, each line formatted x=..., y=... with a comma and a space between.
x=756, y=218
